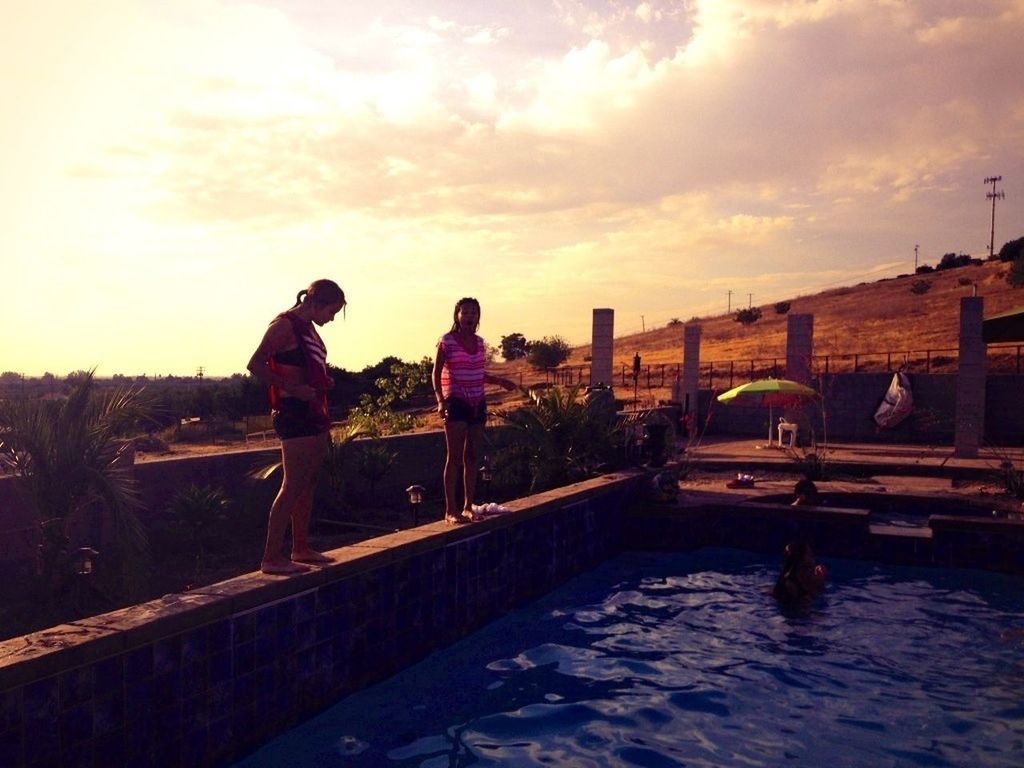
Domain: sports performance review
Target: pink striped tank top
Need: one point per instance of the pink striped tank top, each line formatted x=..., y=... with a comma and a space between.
x=462, y=375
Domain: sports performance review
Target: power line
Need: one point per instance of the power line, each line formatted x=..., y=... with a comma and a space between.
x=993, y=196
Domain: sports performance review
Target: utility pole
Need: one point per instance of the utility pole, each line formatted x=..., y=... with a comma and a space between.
x=643, y=325
x=915, y=258
x=730, y=303
x=199, y=373
x=750, y=300
x=993, y=196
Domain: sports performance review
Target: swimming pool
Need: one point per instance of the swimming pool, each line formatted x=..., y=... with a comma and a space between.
x=682, y=659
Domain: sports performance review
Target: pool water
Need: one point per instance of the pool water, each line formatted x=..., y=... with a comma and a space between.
x=684, y=659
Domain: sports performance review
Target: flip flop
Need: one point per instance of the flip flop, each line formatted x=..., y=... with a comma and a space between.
x=284, y=569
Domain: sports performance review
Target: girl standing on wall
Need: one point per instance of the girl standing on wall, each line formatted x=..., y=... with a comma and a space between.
x=459, y=379
x=292, y=360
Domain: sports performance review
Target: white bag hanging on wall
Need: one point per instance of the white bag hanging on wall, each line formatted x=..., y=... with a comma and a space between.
x=897, y=403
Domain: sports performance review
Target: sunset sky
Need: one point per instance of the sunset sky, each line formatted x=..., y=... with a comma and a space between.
x=174, y=172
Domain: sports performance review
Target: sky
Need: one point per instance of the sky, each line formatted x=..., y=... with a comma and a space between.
x=173, y=173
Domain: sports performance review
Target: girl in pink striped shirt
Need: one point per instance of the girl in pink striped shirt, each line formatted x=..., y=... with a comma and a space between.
x=459, y=379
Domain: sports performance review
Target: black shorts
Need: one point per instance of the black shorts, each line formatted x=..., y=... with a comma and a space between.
x=457, y=409
x=296, y=418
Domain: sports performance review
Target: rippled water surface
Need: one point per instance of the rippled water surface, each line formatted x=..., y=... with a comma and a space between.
x=669, y=660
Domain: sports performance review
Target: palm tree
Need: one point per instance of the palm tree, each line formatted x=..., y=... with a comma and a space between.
x=564, y=438
x=76, y=471
x=333, y=474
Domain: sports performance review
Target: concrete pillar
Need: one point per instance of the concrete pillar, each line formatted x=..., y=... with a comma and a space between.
x=799, y=356
x=799, y=347
x=602, y=347
x=969, y=425
x=689, y=385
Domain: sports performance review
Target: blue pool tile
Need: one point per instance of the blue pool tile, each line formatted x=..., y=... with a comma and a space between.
x=76, y=726
x=244, y=659
x=109, y=674
x=266, y=647
x=194, y=645
x=108, y=713
x=42, y=702
x=167, y=688
x=194, y=678
x=219, y=635
x=138, y=664
x=195, y=714
x=140, y=702
x=109, y=749
x=166, y=655
x=10, y=748
x=285, y=615
x=265, y=621
x=11, y=703
x=195, y=746
x=243, y=629
x=219, y=667
x=305, y=607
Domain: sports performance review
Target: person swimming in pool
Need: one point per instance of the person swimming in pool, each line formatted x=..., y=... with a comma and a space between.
x=805, y=493
x=801, y=578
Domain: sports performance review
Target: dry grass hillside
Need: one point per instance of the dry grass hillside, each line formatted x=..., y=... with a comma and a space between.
x=877, y=318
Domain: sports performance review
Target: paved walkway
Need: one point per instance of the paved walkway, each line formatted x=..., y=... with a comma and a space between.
x=938, y=460
x=855, y=467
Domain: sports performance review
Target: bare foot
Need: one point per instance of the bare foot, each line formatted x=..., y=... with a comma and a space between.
x=457, y=519
x=282, y=567
x=311, y=557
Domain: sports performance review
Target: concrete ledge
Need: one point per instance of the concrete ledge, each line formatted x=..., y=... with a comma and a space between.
x=225, y=667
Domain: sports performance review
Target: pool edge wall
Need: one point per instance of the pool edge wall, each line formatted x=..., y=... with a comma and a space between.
x=203, y=677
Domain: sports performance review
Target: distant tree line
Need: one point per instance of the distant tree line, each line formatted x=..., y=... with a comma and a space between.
x=174, y=398
x=548, y=352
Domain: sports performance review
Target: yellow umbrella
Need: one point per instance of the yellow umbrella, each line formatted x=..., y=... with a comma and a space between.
x=769, y=392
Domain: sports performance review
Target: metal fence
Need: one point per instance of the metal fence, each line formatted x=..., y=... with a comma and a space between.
x=717, y=374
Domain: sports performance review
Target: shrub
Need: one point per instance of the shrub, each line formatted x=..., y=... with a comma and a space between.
x=675, y=321
x=920, y=287
x=924, y=269
x=1015, y=275
x=549, y=352
x=748, y=316
x=782, y=308
x=1011, y=250
x=954, y=261
x=964, y=281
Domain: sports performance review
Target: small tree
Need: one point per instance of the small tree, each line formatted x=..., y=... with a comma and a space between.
x=748, y=315
x=549, y=352
x=1015, y=275
x=782, y=308
x=514, y=346
x=953, y=261
x=1011, y=250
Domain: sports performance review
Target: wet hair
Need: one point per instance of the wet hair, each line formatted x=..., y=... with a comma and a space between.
x=792, y=556
x=322, y=293
x=464, y=301
x=806, y=487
